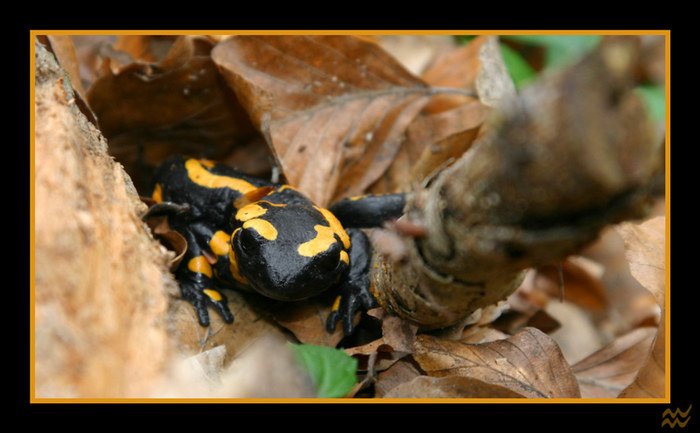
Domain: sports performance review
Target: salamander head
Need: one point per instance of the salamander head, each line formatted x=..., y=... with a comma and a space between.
x=289, y=252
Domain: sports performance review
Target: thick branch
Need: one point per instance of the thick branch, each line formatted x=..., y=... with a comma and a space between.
x=554, y=166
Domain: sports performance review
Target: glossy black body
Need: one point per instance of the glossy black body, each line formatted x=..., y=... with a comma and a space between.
x=253, y=234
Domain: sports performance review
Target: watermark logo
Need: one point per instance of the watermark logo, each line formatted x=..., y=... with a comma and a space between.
x=676, y=417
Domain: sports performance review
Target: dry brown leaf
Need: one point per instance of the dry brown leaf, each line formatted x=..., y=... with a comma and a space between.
x=457, y=69
x=179, y=105
x=397, y=333
x=651, y=378
x=416, y=52
x=493, y=82
x=528, y=363
x=450, y=387
x=482, y=334
x=307, y=321
x=578, y=336
x=630, y=305
x=62, y=47
x=607, y=372
x=580, y=286
x=444, y=136
x=513, y=321
x=147, y=48
x=375, y=356
x=397, y=341
x=400, y=372
x=249, y=327
x=333, y=108
x=171, y=239
x=89, y=50
x=449, y=123
x=645, y=245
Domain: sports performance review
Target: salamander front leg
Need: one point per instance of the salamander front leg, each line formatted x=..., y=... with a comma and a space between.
x=197, y=287
x=355, y=294
x=196, y=277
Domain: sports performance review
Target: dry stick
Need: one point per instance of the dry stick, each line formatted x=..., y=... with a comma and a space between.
x=556, y=164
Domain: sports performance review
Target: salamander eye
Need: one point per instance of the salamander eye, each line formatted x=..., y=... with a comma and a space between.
x=328, y=261
x=248, y=242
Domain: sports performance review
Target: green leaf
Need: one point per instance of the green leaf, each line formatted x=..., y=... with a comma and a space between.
x=560, y=48
x=654, y=97
x=520, y=71
x=332, y=371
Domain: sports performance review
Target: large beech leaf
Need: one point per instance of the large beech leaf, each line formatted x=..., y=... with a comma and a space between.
x=333, y=108
x=148, y=110
x=529, y=363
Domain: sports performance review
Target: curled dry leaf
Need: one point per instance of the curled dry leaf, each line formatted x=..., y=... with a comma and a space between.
x=448, y=125
x=578, y=284
x=651, y=378
x=62, y=48
x=607, y=372
x=645, y=245
x=179, y=105
x=529, y=363
x=334, y=108
x=476, y=66
x=416, y=52
x=645, y=250
x=444, y=136
x=396, y=342
x=629, y=304
x=171, y=239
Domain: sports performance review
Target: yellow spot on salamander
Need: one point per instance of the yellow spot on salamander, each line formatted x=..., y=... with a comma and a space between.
x=219, y=243
x=344, y=257
x=250, y=211
x=283, y=187
x=324, y=239
x=200, y=265
x=158, y=193
x=263, y=227
x=201, y=176
x=273, y=204
x=234, y=264
x=213, y=294
x=336, y=226
x=336, y=304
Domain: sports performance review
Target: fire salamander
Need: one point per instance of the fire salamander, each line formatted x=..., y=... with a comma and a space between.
x=270, y=238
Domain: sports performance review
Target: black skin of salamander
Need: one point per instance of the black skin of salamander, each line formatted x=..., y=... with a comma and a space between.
x=198, y=212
